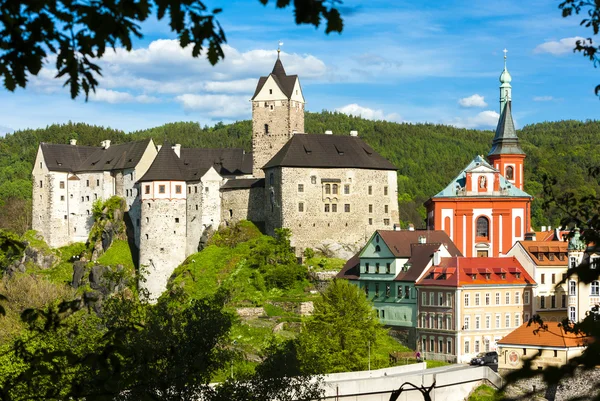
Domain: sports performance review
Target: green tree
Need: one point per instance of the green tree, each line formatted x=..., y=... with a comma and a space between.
x=78, y=32
x=337, y=337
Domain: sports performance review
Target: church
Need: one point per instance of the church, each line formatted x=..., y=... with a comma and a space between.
x=484, y=210
x=326, y=189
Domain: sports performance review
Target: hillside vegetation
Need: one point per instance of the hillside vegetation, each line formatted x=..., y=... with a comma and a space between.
x=428, y=156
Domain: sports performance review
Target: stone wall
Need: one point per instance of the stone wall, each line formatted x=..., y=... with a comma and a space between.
x=242, y=204
x=316, y=217
x=194, y=217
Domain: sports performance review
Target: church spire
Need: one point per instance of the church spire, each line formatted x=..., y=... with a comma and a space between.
x=505, y=88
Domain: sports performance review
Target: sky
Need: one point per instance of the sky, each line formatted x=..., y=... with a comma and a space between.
x=438, y=62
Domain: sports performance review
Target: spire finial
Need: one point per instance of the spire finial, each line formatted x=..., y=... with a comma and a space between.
x=279, y=48
x=505, y=51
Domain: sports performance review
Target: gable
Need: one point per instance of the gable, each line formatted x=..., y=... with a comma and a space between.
x=376, y=248
x=297, y=94
x=270, y=91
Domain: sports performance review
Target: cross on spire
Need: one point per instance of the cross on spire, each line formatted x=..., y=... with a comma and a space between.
x=505, y=51
x=279, y=48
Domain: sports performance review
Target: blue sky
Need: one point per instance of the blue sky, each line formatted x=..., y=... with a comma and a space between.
x=438, y=63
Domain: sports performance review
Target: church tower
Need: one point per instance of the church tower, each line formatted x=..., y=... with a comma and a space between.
x=277, y=113
x=506, y=154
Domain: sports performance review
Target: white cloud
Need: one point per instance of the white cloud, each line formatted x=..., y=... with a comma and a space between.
x=484, y=119
x=559, y=47
x=542, y=98
x=472, y=101
x=111, y=96
x=246, y=86
x=216, y=106
x=368, y=113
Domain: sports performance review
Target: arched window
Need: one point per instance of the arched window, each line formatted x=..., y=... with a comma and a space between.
x=595, y=289
x=335, y=189
x=510, y=173
x=447, y=225
x=517, y=226
x=378, y=249
x=328, y=188
x=483, y=227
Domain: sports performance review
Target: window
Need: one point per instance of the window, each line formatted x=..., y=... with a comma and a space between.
x=347, y=208
x=195, y=189
x=498, y=321
x=97, y=183
x=266, y=129
x=388, y=290
x=563, y=301
x=424, y=298
x=497, y=298
x=146, y=189
x=517, y=298
x=467, y=346
x=177, y=189
x=526, y=297
x=62, y=197
x=526, y=317
x=87, y=183
x=572, y=287
x=477, y=299
x=477, y=322
x=327, y=208
x=385, y=191
x=370, y=222
x=370, y=208
x=367, y=288
x=386, y=222
x=431, y=299
x=476, y=346
x=483, y=227
x=383, y=313
x=313, y=179
x=161, y=189
x=388, y=268
x=543, y=278
x=573, y=261
x=487, y=298
x=595, y=289
x=441, y=299
x=300, y=187
x=466, y=324
x=346, y=189
x=377, y=289
x=553, y=301
x=301, y=206
x=87, y=198
x=62, y=185
x=176, y=219
x=449, y=300
x=488, y=322
x=406, y=292
x=65, y=217
x=327, y=189
x=431, y=345
x=385, y=209
x=507, y=320
x=376, y=268
x=509, y=173
x=370, y=190
x=507, y=296
x=271, y=179
x=466, y=299
x=335, y=189
x=542, y=302
x=95, y=196
x=572, y=313
x=334, y=207
x=270, y=91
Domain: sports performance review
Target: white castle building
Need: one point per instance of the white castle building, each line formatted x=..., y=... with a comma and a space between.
x=324, y=188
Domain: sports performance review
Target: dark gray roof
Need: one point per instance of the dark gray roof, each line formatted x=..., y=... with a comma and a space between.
x=285, y=82
x=165, y=167
x=231, y=161
x=75, y=158
x=506, y=141
x=244, y=183
x=328, y=151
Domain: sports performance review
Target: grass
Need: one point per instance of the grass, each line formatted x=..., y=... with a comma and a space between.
x=484, y=393
x=319, y=263
x=118, y=254
x=436, y=364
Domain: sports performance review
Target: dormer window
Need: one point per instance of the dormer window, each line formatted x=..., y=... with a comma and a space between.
x=270, y=91
x=473, y=276
x=509, y=173
x=550, y=256
x=487, y=276
x=518, y=275
x=503, y=276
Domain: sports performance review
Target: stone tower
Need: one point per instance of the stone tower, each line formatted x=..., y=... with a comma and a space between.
x=162, y=220
x=277, y=113
x=506, y=154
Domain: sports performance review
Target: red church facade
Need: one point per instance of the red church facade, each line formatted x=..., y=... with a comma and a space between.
x=484, y=210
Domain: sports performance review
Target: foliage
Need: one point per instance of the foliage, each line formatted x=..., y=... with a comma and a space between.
x=79, y=33
x=337, y=337
x=436, y=364
x=104, y=213
x=119, y=253
x=11, y=248
x=585, y=46
x=324, y=264
x=15, y=211
x=484, y=393
x=233, y=235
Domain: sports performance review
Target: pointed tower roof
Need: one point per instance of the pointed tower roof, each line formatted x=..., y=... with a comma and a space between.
x=165, y=167
x=284, y=82
x=506, y=141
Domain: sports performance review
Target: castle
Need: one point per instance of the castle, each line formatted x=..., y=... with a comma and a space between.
x=323, y=188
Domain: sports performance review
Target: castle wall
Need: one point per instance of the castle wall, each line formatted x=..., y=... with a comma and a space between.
x=40, y=197
x=211, y=199
x=316, y=217
x=194, y=217
x=163, y=233
x=242, y=204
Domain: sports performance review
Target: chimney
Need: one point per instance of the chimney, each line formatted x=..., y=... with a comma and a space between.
x=422, y=239
x=177, y=149
x=105, y=143
x=328, y=132
x=549, y=228
x=436, y=258
x=397, y=227
x=411, y=227
x=73, y=142
x=530, y=236
x=158, y=148
x=543, y=228
x=353, y=133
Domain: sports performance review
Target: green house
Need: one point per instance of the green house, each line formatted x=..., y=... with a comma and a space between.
x=387, y=268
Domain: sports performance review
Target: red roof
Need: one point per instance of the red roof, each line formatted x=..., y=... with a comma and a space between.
x=551, y=334
x=464, y=271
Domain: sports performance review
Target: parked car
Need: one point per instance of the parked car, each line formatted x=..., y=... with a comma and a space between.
x=483, y=358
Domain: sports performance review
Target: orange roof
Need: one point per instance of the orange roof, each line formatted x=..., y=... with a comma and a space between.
x=552, y=335
x=464, y=271
x=533, y=248
x=552, y=235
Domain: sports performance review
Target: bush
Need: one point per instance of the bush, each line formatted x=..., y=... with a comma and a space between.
x=284, y=276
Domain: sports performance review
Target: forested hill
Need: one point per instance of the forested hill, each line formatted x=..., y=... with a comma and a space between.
x=428, y=156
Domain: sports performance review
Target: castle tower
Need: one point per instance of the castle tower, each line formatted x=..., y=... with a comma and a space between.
x=506, y=154
x=162, y=220
x=277, y=113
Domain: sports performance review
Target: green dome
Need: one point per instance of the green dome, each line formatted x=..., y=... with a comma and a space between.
x=575, y=243
x=505, y=77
